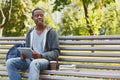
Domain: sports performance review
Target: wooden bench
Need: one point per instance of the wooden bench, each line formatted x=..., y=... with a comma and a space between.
x=93, y=58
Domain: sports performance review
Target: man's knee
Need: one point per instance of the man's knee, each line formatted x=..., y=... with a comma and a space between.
x=39, y=63
x=9, y=62
x=34, y=63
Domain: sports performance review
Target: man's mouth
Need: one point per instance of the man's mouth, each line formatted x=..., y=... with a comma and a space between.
x=39, y=21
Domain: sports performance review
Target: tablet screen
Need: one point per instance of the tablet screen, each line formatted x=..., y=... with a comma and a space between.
x=26, y=51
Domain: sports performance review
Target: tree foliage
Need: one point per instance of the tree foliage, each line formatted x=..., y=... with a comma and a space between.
x=91, y=12
x=60, y=4
x=16, y=25
x=79, y=17
x=21, y=20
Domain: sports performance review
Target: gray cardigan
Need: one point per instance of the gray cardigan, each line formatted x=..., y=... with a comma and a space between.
x=52, y=49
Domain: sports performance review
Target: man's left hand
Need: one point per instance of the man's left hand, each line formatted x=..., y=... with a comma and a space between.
x=36, y=55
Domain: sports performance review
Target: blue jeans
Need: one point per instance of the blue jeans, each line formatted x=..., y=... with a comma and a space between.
x=15, y=64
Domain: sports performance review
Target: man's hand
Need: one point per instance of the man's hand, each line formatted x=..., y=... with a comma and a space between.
x=23, y=56
x=36, y=55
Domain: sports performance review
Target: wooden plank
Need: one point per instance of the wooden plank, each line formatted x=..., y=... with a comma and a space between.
x=12, y=38
x=93, y=66
x=91, y=59
x=3, y=73
x=95, y=54
x=98, y=66
x=56, y=77
x=71, y=37
x=3, y=52
x=11, y=42
x=2, y=62
x=2, y=57
x=76, y=48
x=2, y=68
x=102, y=37
x=5, y=47
x=67, y=42
x=4, y=78
x=87, y=73
x=81, y=73
x=80, y=54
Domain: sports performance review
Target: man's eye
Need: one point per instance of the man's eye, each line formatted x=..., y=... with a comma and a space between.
x=36, y=15
x=41, y=15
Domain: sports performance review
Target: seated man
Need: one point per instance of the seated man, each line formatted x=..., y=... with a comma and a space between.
x=44, y=42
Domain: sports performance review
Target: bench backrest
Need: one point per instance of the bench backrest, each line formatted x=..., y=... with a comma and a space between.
x=91, y=52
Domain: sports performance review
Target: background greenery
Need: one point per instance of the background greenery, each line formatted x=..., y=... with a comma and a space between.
x=68, y=17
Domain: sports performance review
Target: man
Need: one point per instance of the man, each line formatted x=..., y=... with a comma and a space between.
x=44, y=43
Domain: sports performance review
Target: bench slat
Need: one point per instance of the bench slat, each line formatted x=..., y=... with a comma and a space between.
x=96, y=66
x=88, y=73
x=50, y=77
x=4, y=78
x=79, y=54
x=2, y=61
x=5, y=47
x=11, y=42
x=12, y=38
x=101, y=60
x=117, y=42
x=3, y=73
x=102, y=37
x=100, y=66
x=95, y=54
x=3, y=52
x=90, y=48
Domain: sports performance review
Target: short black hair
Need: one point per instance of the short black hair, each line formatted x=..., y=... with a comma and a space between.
x=37, y=9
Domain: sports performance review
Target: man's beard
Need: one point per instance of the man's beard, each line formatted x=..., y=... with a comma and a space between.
x=40, y=23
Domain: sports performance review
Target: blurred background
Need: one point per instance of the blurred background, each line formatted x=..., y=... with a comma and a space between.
x=67, y=17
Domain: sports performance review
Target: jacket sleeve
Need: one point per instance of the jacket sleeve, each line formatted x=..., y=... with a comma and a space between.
x=52, y=46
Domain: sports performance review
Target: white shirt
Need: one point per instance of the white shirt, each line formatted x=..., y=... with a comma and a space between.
x=38, y=41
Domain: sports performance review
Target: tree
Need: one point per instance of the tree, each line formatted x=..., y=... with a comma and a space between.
x=16, y=25
x=110, y=20
x=21, y=20
x=5, y=18
x=60, y=4
x=72, y=22
x=20, y=13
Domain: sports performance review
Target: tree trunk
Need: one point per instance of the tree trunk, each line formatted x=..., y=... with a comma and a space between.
x=1, y=30
x=5, y=19
x=85, y=6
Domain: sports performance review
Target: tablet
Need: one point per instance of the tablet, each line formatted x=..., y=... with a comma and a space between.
x=26, y=51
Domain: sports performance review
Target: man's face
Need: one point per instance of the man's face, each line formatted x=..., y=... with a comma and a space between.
x=38, y=17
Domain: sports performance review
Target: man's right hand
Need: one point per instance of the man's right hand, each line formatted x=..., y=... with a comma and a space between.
x=23, y=56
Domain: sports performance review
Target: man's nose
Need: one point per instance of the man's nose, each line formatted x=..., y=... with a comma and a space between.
x=39, y=16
